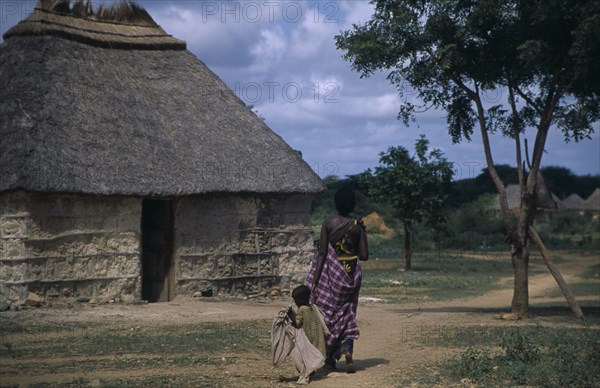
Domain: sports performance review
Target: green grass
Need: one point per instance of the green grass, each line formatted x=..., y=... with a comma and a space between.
x=69, y=349
x=21, y=340
x=434, y=277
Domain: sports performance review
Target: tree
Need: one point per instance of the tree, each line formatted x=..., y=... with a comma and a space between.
x=542, y=54
x=415, y=185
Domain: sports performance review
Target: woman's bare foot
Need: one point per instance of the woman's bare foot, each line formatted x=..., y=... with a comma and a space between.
x=330, y=364
x=349, y=363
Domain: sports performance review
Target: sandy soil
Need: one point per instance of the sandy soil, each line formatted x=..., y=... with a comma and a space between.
x=393, y=339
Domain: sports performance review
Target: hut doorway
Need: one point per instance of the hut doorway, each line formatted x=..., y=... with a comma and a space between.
x=157, y=250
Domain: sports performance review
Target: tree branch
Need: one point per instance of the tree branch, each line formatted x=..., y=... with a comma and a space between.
x=517, y=134
x=557, y=276
x=528, y=100
x=503, y=200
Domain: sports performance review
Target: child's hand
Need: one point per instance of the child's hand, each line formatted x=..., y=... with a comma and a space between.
x=292, y=315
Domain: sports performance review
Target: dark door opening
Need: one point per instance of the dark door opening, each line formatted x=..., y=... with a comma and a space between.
x=157, y=250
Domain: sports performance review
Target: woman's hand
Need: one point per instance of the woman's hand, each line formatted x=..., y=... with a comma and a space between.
x=359, y=221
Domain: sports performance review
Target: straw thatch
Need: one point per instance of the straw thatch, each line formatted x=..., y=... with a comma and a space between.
x=123, y=25
x=573, y=202
x=513, y=197
x=147, y=118
x=593, y=201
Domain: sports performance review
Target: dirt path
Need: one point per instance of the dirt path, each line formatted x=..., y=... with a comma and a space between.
x=394, y=338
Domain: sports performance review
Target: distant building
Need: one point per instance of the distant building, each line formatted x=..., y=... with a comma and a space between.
x=571, y=203
x=592, y=203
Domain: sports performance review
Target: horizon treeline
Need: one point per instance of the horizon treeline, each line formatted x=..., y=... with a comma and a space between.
x=561, y=181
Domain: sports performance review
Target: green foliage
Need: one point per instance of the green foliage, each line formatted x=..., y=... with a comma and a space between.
x=471, y=226
x=542, y=51
x=518, y=347
x=474, y=363
x=571, y=230
x=533, y=356
x=414, y=185
x=475, y=226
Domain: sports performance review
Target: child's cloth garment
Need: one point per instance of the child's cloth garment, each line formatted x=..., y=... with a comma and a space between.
x=286, y=341
x=311, y=320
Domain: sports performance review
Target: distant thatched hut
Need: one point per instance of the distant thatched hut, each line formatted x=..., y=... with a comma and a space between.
x=130, y=171
x=573, y=202
x=592, y=203
x=544, y=201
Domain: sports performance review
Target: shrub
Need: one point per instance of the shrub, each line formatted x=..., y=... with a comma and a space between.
x=474, y=364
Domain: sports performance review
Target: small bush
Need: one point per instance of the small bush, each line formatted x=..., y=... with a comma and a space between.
x=474, y=364
x=518, y=346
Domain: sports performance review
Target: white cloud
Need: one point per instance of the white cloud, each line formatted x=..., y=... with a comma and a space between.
x=269, y=49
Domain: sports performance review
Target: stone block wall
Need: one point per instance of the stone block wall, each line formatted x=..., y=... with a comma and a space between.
x=242, y=246
x=62, y=246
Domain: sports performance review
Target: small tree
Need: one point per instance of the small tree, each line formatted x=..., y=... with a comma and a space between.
x=415, y=185
x=543, y=55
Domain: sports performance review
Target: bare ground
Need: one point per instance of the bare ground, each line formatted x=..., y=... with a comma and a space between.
x=395, y=339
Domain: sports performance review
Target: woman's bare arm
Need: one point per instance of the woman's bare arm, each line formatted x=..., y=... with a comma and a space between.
x=363, y=245
x=322, y=254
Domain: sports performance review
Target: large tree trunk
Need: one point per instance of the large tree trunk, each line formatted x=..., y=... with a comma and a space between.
x=408, y=245
x=520, y=301
x=516, y=234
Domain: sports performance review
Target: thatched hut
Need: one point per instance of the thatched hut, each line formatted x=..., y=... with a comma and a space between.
x=573, y=202
x=592, y=203
x=131, y=172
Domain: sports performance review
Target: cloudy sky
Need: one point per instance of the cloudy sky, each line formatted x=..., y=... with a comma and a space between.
x=280, y=57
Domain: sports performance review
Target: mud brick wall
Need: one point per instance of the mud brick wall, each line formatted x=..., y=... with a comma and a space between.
x=66, y=246
x=242, y=246
x=63, y=246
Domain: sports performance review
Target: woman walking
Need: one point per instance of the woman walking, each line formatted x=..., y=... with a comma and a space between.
x=335, y=277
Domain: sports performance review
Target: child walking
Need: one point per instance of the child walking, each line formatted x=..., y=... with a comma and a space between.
x=308, y=317
x=299, y=332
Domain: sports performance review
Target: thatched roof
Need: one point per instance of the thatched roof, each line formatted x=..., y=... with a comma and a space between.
x=124, y=25
x=593, y=201
x=513, y=196
x=145, y=118
x=573, y=202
